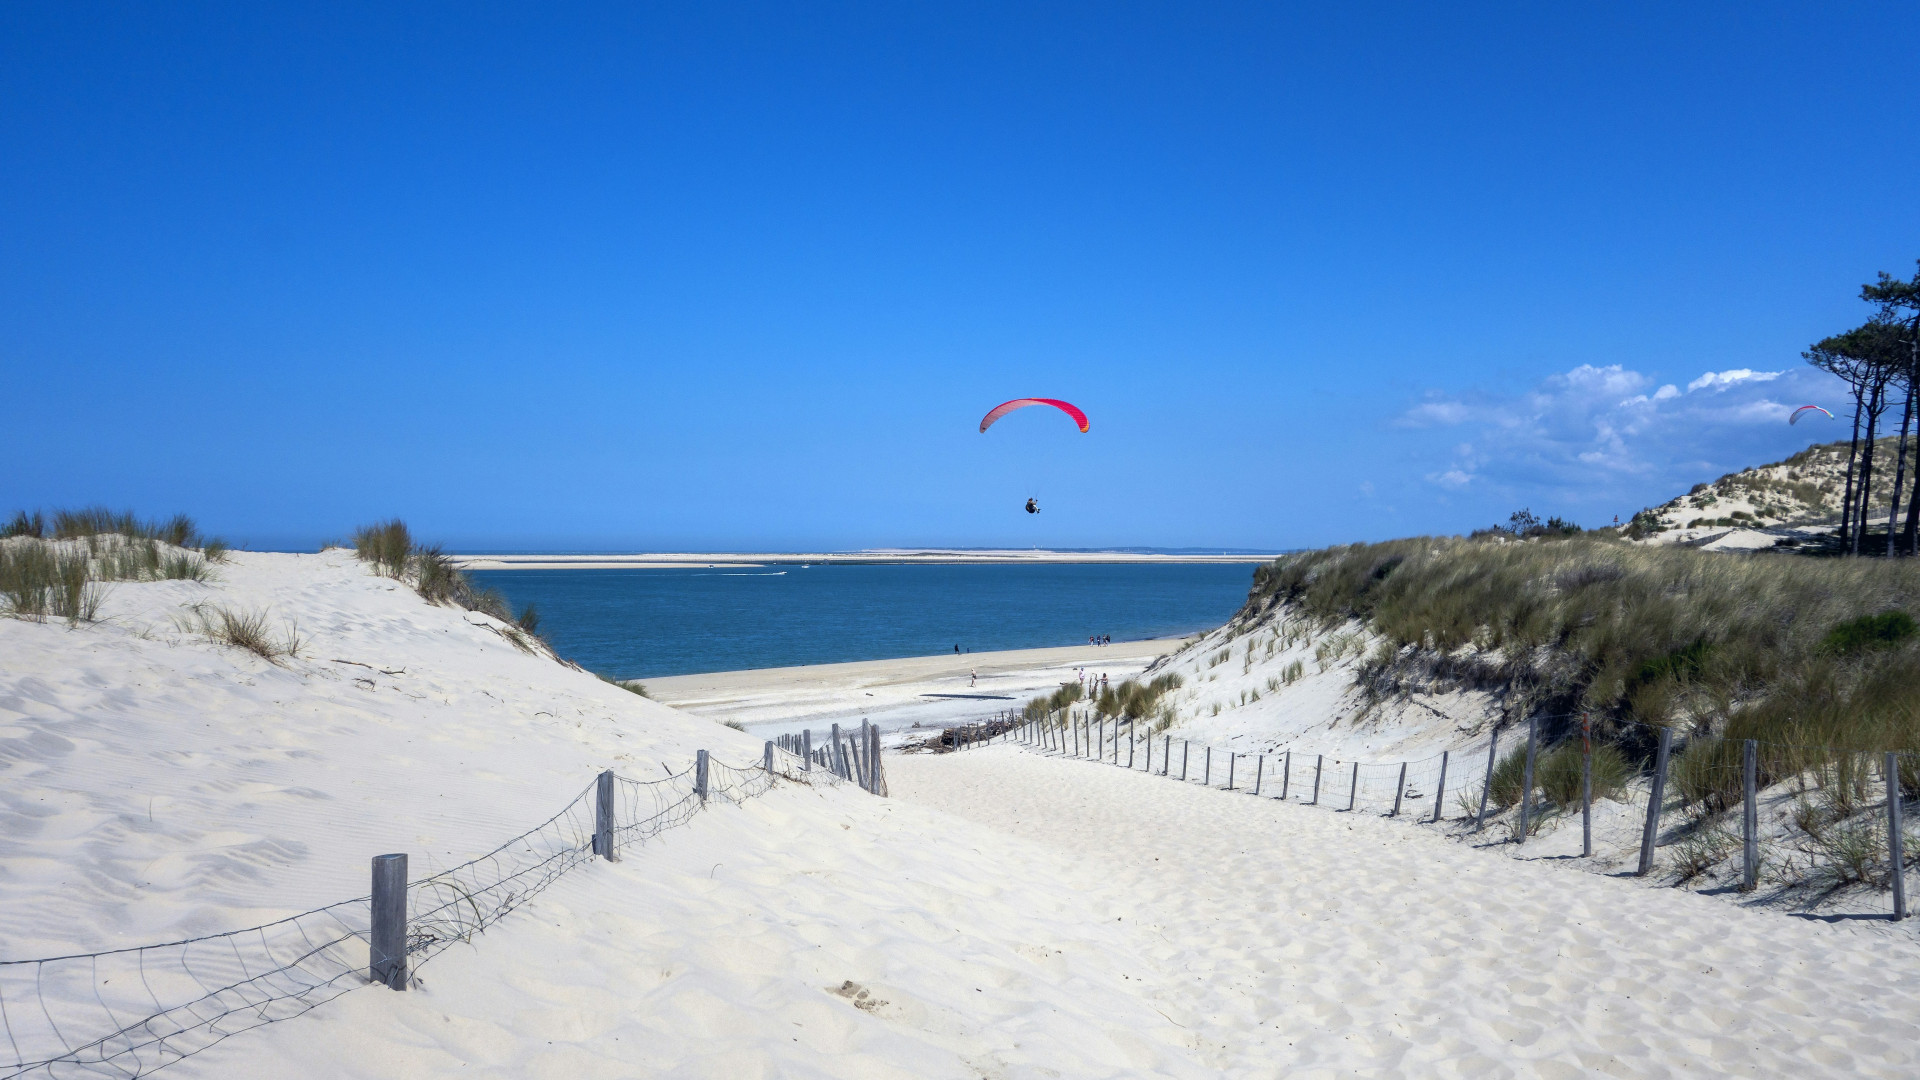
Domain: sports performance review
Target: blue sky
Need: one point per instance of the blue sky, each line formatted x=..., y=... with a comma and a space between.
x=736, y=276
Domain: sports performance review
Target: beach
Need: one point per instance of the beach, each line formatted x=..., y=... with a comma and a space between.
x=907, y=556
x=923, y=691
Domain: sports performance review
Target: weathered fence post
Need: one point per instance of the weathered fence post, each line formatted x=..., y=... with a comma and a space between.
x=1655, y=797
x=1353, y=786
x=1896, y=844
x=1750, y=815
x=839, y=753
x=700, y=775
x=1149, y=751
x=877, y=778
x=387, y=941
x=1206, y=769
x=1400, y=790
x=1440, y=790
x=1319, y=761
x=603, y=814
x=1493, y=746
x=1166, y=755
x=768, y=764
x=806, y=740
x=1186, y=751
x=1286, y=774
x=1586, y=785
x=1259, y=767
x=1132, y=738
x=1231, y=758
x=1526, y=781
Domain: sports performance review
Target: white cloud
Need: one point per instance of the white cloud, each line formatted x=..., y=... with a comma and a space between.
x=1726, y=380
x=1595, y=427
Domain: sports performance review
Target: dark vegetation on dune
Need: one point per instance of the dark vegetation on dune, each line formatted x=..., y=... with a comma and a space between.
x=1816, y=658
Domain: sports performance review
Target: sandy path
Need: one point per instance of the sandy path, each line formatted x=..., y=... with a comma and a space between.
x=1326, y=944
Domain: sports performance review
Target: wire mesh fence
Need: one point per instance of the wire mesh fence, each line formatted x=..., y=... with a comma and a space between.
x=127, y=1012
x=1753, y=815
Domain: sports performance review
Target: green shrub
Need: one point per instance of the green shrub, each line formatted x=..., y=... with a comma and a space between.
x=1509, y=775
x=1557, y=773
x=1869, y=632
x=388, y=546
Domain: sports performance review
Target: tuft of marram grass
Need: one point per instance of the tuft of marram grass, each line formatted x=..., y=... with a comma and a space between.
x=248, y=631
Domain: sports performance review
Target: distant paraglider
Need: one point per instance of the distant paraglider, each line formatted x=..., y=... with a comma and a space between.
x=1795, y=418
x=1003, y=409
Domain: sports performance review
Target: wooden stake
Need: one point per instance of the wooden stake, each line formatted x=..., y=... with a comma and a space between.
x=1440, y=791
x=1586, y=785
x=1526, y=782
x=603, y=814
x=1896, y=843
x=1655, y=797
x=1318, y=761
x=1400, y=790
x=1353, y=786
x=387, y=941
x=1492, y=747
x=1750, y=815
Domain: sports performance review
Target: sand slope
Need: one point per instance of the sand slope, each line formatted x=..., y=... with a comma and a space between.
x=1292, y=940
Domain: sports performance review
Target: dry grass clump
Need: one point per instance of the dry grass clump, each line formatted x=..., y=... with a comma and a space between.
x=247, y=630
x=39, y=580
x=389, y=546
x=52, y=568
x=1133, y=700
x=1557, y=773
x=1069, y=692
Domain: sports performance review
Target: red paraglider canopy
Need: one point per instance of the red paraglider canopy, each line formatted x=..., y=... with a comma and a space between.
x=1020, y=403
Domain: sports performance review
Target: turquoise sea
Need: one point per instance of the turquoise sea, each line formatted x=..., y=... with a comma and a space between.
x=646, y=623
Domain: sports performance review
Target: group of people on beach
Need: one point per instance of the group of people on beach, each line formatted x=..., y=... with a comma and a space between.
x=1099, y=639
x=1091, y=684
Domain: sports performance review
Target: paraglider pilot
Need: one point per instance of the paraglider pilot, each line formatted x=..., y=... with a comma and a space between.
x=1032, y=507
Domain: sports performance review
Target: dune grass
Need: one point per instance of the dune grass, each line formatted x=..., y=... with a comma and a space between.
x=54, y=568
x=391, y=549
x=245, y=630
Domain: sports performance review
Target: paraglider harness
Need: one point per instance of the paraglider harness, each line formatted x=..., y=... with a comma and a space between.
x=1032, y=507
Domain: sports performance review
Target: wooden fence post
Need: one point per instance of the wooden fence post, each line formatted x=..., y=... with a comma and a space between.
x=1896, y=844
x=1231, y=758
x=768, y=763
x=1132, y=738
x=1493, y=746
x=1166, y=755
x=1400, y=790
x=387, y=941
x=1206, y=769
x=806, y=740
x=603, y=814
x=1259, y=768
x=1586, y=785
x=839, y=756
x=1750, y=815
x=1353, y=787
x=1149, y=751
x=1655, y=797
x=1319, y=760
x=1186, y=751
x=1526, y=782
x=1286, y=774
x=877, y=778
x=1440, y=792
x=700, y=775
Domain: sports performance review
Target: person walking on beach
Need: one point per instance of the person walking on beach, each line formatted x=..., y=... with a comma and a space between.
x=973, y=677
x=956, y=650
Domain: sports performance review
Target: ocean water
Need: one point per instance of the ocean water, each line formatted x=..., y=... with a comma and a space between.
x=634, y=624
